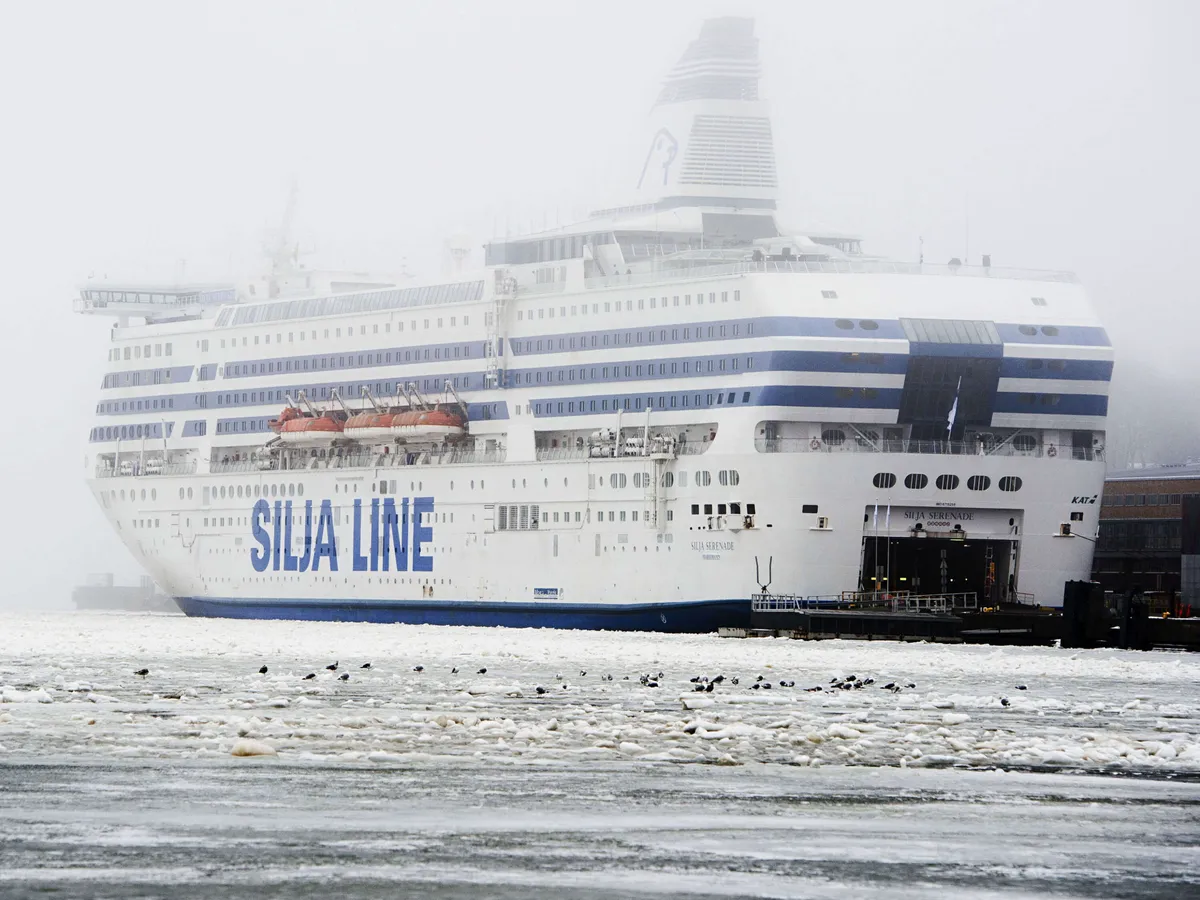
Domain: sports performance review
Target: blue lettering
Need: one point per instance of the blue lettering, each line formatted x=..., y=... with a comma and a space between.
x=374, y=534
x=421, y=534
x=289, y=559
x=278, y=522
x=326, y=547
x=307, y=557
x=395, y=534
x=260, y=558
x=360, y=561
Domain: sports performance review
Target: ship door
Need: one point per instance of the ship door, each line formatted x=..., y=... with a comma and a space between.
x=939, y=565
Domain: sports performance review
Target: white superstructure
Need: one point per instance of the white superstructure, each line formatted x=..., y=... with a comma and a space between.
x=636, y=421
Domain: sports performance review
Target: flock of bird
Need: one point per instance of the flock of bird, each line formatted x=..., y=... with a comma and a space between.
x=700, y=683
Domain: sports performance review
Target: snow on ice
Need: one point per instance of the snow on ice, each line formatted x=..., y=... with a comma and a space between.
x=68, y=687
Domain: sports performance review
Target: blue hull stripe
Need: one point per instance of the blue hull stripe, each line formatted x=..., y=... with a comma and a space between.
x=684, y=617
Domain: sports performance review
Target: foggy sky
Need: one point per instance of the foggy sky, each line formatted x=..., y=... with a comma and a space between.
x=145, y=140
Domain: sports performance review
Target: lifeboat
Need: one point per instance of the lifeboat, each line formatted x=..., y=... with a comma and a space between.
x=310, y=430
x=433, y=424
x=369, y=426
x=289, y=413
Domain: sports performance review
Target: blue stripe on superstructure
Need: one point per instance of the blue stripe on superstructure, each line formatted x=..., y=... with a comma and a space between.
x=1065, y=369
x=1076, y=335
x=678, y=617
x=957, y=351
x=1050, y=404
x=139, y=377
x=103, y=434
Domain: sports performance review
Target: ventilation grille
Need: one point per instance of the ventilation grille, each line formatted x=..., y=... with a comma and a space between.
x=736, y=151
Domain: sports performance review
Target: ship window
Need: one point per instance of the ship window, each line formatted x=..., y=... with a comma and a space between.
x=1049, y=331
x=947, y=482
x=722, y=509
x=1038, y=301
x=703, y=478
x=708, y=506
x=808, y=508
x=829, y=295
x=1033, y=364
x=834, y=437
x=884, y=480
x=844, y=324
x=695, y=509
x=1009, y=483
x=1024, y=442
x=979, y=483
x=868, y=325
x=916, y=481
x=1027, y=329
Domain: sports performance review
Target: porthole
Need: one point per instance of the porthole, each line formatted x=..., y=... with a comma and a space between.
x=916, y=481
x=844, y=324
x=1049, y=331
x=835, y=437
x=189, y=493
x=222, y=492
x=1009, y=483
x=291, y=490
x=978, y=483
x=884, y=480
x=300, y=489
x=868, y=325
x=153, y=493
x=181, y=493
x=1027, y=329
x=947, y=482
x=1024, y=442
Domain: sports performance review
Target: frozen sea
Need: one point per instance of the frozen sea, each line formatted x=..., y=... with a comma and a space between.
x=984, y=772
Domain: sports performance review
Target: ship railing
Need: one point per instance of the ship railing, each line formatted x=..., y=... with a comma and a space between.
x=1024, y=598
x=676, y=270
x=547, y=287
x=935, y=603
x=361, y=461
x=140, y=470
x=952, y=448
x=241, y=465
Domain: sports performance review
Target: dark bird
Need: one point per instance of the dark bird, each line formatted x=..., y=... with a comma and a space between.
x=755, y=686
x=812, y=690
x=759, y=678
x=540, y=689
x=695, y=679
x=718, y=679
x=660, y=676
x=564, y=685
x=262, y=671
x=889, y=685
x=1004, y=701
x=733, y=680
x=365, y=666
x=910, y=684
x=454, y=671
x=868, y=681
x=582, y=674
x=1021, y=687
x=708, y=688
x=698, y=689
x=142, y=672
x=626, y=678
x=833, y=680
x=846, y=686
x=310, y=676
x=345, y=676
x=652, y=684
x=482, y=671
x=851, y=677
x=418, y=668
x=766, y=685
x=332, y=667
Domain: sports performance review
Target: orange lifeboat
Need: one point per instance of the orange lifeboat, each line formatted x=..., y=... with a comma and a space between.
x=369, y=426
x=289, y=413
x=433, y=424
x=310, y=430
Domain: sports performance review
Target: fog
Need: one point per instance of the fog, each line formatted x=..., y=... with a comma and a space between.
x=157, y=141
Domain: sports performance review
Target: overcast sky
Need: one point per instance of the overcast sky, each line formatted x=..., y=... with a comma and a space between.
x=145, y=140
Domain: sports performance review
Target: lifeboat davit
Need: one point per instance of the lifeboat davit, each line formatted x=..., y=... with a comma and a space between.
x=433, y=424
x=369, y=426
x=310, y=430
x=289, y=413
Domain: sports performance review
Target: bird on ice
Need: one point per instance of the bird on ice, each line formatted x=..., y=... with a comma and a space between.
x=345, y=676
x=142, y=672
x=332, y=667
x=365, y=666
x=310, y=676
x=262, y=671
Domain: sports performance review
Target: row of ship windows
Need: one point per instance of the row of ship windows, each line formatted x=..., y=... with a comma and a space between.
x=139, y=351
x=547, y=312
x=734, y=509
x=918, y=481
x=337, y=332
x=339, y=362
x=664, y=401
x=835, y=437
x=528, y=517
x=634, y=370
x=648, y=336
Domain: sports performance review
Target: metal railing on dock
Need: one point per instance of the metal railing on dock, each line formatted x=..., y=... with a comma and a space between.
x=865, y=601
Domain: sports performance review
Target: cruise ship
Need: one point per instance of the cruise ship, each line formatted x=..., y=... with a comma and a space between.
x=639, y=421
